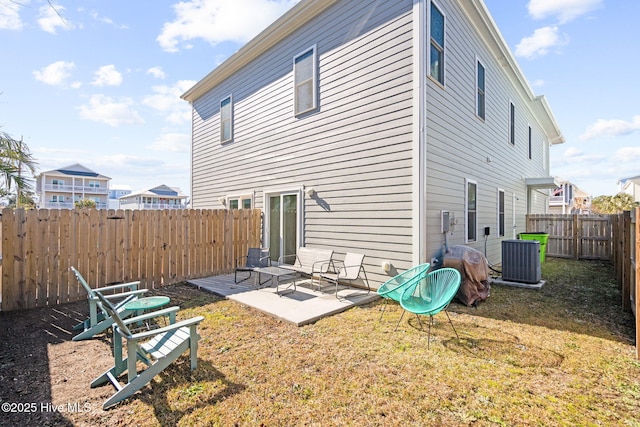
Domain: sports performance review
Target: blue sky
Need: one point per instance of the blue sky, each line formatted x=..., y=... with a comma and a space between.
x=101, y=86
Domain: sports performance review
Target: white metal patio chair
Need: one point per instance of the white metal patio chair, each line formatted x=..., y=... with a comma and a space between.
x=350, y=269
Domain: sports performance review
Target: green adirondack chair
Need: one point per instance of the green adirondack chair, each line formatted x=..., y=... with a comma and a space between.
x=156, y=348
x=431, y=295
x=98, y=321
x=393, y=288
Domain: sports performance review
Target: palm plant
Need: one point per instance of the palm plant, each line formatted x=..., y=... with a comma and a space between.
x=15, y=160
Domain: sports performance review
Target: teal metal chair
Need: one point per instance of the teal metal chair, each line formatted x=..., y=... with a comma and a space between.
x=393, y=288
x=431, y=295
x=156, y=348
x=98, y=321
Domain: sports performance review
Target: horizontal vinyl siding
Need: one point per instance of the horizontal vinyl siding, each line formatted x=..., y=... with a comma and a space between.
x=355, y=150
x=458, y=142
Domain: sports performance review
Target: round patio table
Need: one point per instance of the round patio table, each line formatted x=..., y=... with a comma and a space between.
x=147, y=303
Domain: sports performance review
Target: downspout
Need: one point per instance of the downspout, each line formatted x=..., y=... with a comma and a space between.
x=419, y=158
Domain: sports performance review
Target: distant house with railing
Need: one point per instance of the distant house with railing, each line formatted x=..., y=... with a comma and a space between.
x=116, y=192
x=631, y=186
x=569, y=199
x=160, y=197
x=61, y=188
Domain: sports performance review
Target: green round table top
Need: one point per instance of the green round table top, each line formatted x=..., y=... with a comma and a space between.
x=147, y=303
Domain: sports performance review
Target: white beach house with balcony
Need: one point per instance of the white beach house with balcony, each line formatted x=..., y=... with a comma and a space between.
x=61, y=188
x=160, y=197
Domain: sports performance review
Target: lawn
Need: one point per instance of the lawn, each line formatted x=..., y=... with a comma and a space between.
x=560, y=356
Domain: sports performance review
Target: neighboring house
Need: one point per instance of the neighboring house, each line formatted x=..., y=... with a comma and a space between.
x=375, y=127
x=160, y=197
x=115, y=192
x=631, y=186
x=61, y=188
x=567, y=198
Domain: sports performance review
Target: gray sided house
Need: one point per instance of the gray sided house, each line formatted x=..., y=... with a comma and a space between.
x=359, y=125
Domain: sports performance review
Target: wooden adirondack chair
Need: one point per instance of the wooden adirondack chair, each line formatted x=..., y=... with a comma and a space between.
x=98, y=321
x=156, y=348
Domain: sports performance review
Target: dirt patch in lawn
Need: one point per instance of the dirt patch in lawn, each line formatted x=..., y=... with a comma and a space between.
x=563, y=355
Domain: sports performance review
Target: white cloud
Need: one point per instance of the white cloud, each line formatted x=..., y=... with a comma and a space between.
x=106, y=20
x=173, y=142
x=10, y=16
x=611, y=128
x=572, y=152
x=107, y=75
x=563, y=10
x=50, y=18
x=102, y=19
x=219, y=20
x=538, y=83
x=627, y=154
x=157, y=72
x=166, y=100
x=539, y=44
x=105, y=109
x=56, y=73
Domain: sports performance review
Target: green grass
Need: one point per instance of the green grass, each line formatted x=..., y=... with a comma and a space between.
x=560, y=356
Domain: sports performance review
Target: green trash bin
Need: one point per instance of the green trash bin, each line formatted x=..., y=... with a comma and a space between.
x=540, y=236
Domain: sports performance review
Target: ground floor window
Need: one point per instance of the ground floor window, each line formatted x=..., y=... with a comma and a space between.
x=471, y=211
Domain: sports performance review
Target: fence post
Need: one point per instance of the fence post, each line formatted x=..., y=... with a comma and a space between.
x=576, y=227
x=637, y=284
x=625, y=261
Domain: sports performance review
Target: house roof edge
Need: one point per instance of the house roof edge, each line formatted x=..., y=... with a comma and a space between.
x=289, y=22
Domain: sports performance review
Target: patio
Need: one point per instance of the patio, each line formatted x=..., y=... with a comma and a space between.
x=304, y=306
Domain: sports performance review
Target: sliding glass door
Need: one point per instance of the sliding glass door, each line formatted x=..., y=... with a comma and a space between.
x=282, y=225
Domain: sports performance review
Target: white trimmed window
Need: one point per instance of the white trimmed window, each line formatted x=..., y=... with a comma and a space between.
x=226, y=119
x=241, y=202
x=500, y=205
x=530, y=146
x=480, y=91
x=436, y=48
x=471, y=210
x=304, y=80
x=512, y=123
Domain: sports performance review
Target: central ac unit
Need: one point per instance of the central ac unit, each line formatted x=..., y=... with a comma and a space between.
x=521, y=261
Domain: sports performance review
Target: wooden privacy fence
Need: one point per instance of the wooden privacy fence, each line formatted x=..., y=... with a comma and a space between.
x=625, y=260
x=602, y=237
x=157, y=247
x=575, y=236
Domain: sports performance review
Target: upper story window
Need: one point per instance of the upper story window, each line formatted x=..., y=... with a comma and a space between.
x=471, y=211
x=93, y=184
x=226, y=119
x=436, y=53
x=304, y=80
x=512, y=123
x=480, y=93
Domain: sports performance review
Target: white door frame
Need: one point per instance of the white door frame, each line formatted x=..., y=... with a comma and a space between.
x=297, y=191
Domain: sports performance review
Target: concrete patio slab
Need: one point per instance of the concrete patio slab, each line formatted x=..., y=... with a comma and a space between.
x=303, y=306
